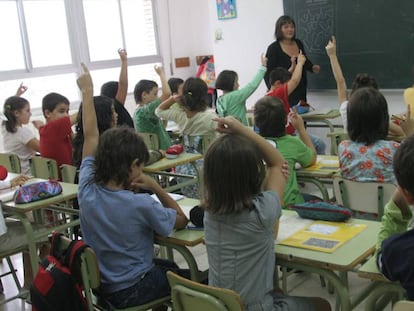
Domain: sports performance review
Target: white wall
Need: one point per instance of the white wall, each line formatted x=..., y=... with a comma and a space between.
x=245, y=38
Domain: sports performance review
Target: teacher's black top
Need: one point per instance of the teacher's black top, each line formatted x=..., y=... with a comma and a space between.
x=277, y=58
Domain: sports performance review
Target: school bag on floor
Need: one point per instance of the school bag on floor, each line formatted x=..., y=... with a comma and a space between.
x=57, y=285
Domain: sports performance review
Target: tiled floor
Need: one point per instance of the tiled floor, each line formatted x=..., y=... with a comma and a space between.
x=300, y=284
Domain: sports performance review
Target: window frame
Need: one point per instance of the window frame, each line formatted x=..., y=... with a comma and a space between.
x=79, y=46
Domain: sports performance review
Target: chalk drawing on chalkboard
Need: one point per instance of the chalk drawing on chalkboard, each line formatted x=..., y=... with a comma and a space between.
x=315, y=25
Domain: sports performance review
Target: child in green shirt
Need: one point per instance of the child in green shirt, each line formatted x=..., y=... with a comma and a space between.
x=233, y=100
x=146, y=97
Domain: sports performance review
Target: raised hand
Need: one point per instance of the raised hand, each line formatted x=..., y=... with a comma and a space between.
x=21, y=89
x=85, y=81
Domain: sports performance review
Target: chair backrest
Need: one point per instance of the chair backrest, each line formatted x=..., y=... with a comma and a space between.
x=189, y=295
x=250, y=119
x=151, y=140
x=68, y=173
x=11, y=162
x=202, y=142
x=365, y=197
x=404, y=305
x=44, y=168
x=89, y=271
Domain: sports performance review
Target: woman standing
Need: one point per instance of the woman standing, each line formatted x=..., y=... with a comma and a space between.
x=284, y=52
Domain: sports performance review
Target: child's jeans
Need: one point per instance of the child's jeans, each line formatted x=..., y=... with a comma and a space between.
x=152, y=285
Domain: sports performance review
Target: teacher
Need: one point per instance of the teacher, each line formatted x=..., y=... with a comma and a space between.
x=284, y=52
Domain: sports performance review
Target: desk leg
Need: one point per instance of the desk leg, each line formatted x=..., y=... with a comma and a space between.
x=196, y=275
x=199, y=179
x=340, y=288
x=34, y=259
x=318, y=184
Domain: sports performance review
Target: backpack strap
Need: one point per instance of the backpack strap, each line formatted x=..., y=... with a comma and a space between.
x=73, y=252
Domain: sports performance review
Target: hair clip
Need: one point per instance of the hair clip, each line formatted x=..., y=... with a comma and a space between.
x=7, y=107
x=189, y=94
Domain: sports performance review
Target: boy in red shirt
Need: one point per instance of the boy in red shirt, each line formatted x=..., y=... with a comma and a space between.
x=282, y=84
x=56, y=134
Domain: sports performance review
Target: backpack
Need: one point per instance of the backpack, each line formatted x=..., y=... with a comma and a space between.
x=57, y=285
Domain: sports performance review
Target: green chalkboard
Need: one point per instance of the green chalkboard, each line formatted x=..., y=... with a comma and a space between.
x=373, y=36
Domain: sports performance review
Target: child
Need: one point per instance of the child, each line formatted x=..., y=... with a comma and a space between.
x=193, y=121
x=176, y=86
x=395, y=247
x=17, y=138
x=118, y=91
x=106, y=117
x=56, y=135
x=145, y=120
x=111, y=171
x=367, y=156
x=233, y=100
x=283, y=83
x=361, y=80
x=270, y=117
x=242, y=205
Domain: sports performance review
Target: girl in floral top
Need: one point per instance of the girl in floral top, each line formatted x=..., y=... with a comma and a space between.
x=367, y=156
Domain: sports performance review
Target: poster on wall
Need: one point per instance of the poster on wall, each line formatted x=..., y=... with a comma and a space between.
x=226, y=9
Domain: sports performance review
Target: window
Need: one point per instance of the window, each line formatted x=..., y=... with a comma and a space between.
x=47, y=39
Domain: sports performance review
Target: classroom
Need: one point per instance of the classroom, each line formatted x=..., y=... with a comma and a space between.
x=96, y=39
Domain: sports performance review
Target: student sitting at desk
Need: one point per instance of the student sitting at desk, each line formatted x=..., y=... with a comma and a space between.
x=270, y=117
x=116, y=222
x=395, y=246
x=367, y=156
x=194, y=121
x=146, y=97
x=241, y=221
x=283, y=83
x=56, y=135
x=361, y=80
x=233, y=100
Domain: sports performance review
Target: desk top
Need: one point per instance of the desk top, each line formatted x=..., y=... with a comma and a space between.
x=325, y=167
x=165, y=163
x=369, y=270
x=321, y=114
x=70, y=191
x=187, y=237
x=345, y=258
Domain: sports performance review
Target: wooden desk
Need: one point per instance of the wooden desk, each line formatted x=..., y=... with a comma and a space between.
x=381, y=290
x=180, y=240
x=159, y=167
x=324, y=168
x=343, y=260
x=20, y=211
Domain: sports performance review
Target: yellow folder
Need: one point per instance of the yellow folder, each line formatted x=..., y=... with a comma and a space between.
x=324, y=236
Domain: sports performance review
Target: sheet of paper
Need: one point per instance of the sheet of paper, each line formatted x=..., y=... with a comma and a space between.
x=288, y=225
x=322, y=229
x=174, y=196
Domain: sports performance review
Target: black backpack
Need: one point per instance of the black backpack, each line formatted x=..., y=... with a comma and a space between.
x=58, y=285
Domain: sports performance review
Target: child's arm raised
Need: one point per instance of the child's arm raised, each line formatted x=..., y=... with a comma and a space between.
x=297, y=73
x=90, y=124
x=122, y=91
x=296, y=120
x=165, y=87
x=166, y=104
x=275, y=180
x=337, y=71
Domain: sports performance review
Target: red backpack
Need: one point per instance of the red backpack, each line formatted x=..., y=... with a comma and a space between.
x=57, y=285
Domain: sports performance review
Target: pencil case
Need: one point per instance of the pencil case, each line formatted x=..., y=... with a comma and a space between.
x=321, y=210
